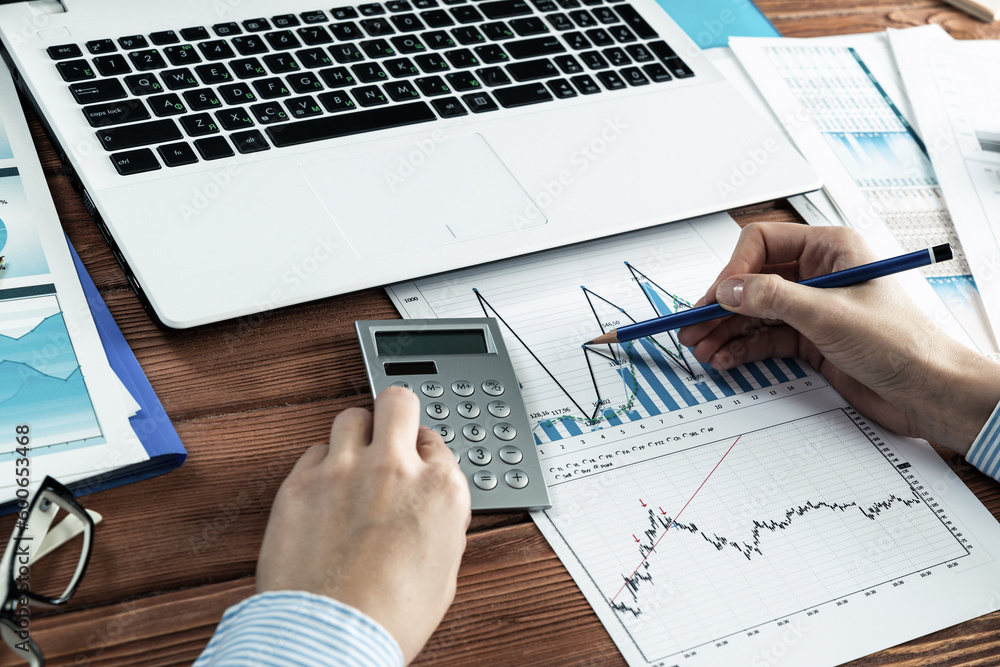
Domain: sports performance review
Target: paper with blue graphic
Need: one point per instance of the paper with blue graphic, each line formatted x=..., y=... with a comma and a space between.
x=710, y=23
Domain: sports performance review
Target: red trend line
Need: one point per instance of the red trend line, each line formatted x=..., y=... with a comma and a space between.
x=676, y=516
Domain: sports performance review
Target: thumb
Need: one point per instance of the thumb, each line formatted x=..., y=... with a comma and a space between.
x=771, y=297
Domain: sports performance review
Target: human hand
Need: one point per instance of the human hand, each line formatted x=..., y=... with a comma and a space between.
x=870, y=341
x=376, y=520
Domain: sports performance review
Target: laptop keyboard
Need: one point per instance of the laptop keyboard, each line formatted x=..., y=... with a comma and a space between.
x=175, y=98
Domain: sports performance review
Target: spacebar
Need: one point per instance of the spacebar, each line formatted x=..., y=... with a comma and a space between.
x=357, y=122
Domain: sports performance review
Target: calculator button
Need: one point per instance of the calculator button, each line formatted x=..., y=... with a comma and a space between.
x=404, y=385
x=446, y=432
x=485, y=480
x=510, y=454
x=504, y=431
x=474, y=432
x=462, y=387
x=499, y=409
x=479, y=456
x=432, y=389
x=493, y=387
x=469, y=410
x=438, y=411
x=516, y=479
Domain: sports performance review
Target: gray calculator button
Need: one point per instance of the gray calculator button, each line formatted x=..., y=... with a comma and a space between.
x=510, y=454
x=458, y=457
x=462, y=388
x=499, y=409
x=446, y=432
x=468, y=409
x=505, y=431
x=438, y=411
x=493, y=387
x=485, y=480
x=479, y=456
x=474, y=432
x=516, y=479
x=432, y=389
x=403, y=384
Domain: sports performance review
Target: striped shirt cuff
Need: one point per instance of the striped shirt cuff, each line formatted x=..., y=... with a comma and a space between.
x=985, y=452
x=298, y=629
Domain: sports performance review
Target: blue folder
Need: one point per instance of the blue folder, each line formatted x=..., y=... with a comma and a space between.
x=711, y=23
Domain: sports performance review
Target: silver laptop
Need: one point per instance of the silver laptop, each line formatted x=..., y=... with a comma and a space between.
x=250, y=155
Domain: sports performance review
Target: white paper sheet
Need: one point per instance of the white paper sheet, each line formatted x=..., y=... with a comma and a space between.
x=749, y=517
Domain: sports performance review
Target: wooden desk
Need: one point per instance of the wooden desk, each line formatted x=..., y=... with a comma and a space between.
x=248, y=396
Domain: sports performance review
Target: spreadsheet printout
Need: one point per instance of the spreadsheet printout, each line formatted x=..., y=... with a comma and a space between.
x=716, y=518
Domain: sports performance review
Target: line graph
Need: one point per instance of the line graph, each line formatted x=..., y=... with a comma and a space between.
x=797, y=515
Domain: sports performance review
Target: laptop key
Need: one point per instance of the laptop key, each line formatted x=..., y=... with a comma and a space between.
x=216, y=50
x=250, y=45
x=256, y=25
x=178, y=79
x=519, y=96
x=377, y=27
x=377, y=48
x=164, y=37
x=213, y=74
x=346, y=31
x=407, y=44
x=622, y=34
x=545, y=6
x=133, y=42
x=530, y=70
x=560, y=22
x=369, y=96
x=528, y=26
x=504, y=9
x=339, y=101
x=282, y=40
x=493, y=76
x=432, y=85
x=368, y=120
x=611, y=80
x=314, y=34
x=585, y=84
x=237, y=93
x=634, y=76
x=112, y=65
x=425, y=4
x=267, y=113
x=583, y=18
x=281, y=63
x=369, y=72
x=431, y=62
x=568, y=64
x=480, y=102
x=114, y=113
x=407, y=22
x=463, y=81
x=64, y=51
x=195, y=33
x=461, y=58
x=401, y=67
x=438, y=39
x=316, y=16
x=656, y=72
x=75, y=70
x=285, y=21
x=577, y=41
x=636, y=22
x=437, y=18
x=214, y=148
x=398, y=6
x=492, y=53
x=183, y=54
x=533, y=48
x=166, y=105
x=606, y=15
x=344, y=13
x=617, y=57
x=371, y=9
x=401, y=91
x=147, y=60
x=593, y=60
x=102, y=90
x=226, y=29
x=467, y=34
x=498, y=31
x=199, y=125
x=639, y=53
x=248, y=68
x=600, y=37
x=449, y=107
x=303, y=107
x=467, y=14
x=270, y=89
x=561, y=88
x=177, y=155
x=135, y=162
x=249, y=142
x=314, y=58
x=234, y=119
x=305, y=82
x=202, y=99
x=346, y=53
x=337, y=77
x=99, y=46
x=141, y=134
x=679, y=68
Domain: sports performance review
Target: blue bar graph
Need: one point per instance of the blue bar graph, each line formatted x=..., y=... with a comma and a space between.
x=719, y=381
x=550, y=430
x=640, y=394
x=795, y=368
x=572, y=426
x=705, y=391
x=758, y=374
x=740, y=380
x=776, y=371
x=612, y=418
x=650, y=375
x=633, y=415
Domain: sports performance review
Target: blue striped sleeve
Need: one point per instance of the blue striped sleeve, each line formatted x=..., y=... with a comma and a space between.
x=298, y=629
x=985, y=452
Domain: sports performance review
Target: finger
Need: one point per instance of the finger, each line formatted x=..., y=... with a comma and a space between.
x=431, y=447
x=351, y=430
x=396, y=420
x=728, y=329
x=769, y=297
x=780, y=341
x=311, y=458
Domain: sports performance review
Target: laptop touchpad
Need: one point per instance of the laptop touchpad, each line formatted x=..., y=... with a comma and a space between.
x=421, y=195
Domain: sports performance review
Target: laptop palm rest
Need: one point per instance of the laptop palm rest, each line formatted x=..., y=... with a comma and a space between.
x=377, y=198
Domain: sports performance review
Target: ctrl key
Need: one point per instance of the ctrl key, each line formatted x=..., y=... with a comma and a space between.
x=134, y=162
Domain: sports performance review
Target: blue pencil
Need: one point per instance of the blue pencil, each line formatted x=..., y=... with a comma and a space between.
x=859, y=274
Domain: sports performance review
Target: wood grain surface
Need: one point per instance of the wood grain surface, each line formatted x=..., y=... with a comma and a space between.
x=248, y=396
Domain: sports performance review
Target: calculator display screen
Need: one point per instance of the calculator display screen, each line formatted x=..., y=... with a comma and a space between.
x=430, y=343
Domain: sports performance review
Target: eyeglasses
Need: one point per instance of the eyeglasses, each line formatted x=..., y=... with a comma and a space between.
x=37, y=533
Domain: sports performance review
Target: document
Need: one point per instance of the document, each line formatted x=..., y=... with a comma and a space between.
x=63, y=412
x=841, y=102
x=954, y=87
x=747, y=517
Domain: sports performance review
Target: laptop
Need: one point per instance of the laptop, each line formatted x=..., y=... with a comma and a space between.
x=245, y=156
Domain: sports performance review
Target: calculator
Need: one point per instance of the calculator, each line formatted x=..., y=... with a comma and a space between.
x=460, y=370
